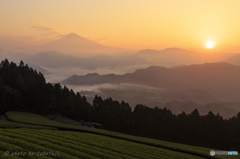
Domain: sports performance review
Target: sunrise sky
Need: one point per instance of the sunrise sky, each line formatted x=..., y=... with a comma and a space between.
x=132, y=24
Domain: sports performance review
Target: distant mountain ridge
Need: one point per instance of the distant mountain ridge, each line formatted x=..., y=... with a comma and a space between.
x=17, y=57
x=176, y=56
x=54, y=59
x=235, y=59
x=168, y=50
x=220, y=79
x=73, y=44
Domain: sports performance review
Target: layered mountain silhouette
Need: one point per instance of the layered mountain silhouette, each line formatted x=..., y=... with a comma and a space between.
x=175, y=56
x=17, y=57
x=13, y=56
x=217, y=79
x=235, y=59
x=54, y=59
x=74, y=44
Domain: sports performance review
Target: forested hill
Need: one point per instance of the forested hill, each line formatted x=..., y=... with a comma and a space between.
x=24, y=89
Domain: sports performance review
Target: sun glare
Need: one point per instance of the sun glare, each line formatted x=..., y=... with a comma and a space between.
x=209, y=44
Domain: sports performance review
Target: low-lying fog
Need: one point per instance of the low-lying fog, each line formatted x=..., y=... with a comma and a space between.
x=58, y=74
x=119, y=87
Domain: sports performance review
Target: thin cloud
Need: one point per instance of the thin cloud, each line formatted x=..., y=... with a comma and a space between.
x=42, y=28
x=36, y=22
x=46, y=34
x=101, y=40
x=51, y=33
x=61, y=35
x=27, y=37
x=47, y=31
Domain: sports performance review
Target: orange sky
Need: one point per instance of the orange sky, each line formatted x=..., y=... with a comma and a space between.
x=134, y=24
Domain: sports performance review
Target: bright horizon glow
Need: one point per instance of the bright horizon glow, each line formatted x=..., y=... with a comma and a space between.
x=209, y=44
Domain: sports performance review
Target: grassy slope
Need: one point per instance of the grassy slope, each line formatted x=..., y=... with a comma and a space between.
x=40, y=120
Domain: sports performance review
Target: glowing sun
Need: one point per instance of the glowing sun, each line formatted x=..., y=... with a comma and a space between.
x=209, y=44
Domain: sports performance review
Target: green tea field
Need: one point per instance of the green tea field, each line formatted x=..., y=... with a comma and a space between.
x=33, y=136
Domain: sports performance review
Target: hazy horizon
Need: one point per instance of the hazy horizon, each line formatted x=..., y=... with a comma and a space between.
x=26, y=43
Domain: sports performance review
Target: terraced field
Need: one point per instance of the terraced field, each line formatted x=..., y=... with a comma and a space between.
x=82, y=142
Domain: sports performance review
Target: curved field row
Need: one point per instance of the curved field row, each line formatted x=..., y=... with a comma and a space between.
x=2, y=153
x=31, y=139
x=121, y=147
x=121, y=152
x=35, y=145
x=9, y=149
x=38, y=139
x=49, y=140
x=74, y=144
x=104, y=140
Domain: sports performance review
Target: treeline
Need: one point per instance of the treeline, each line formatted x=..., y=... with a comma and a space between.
x=24, y=89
